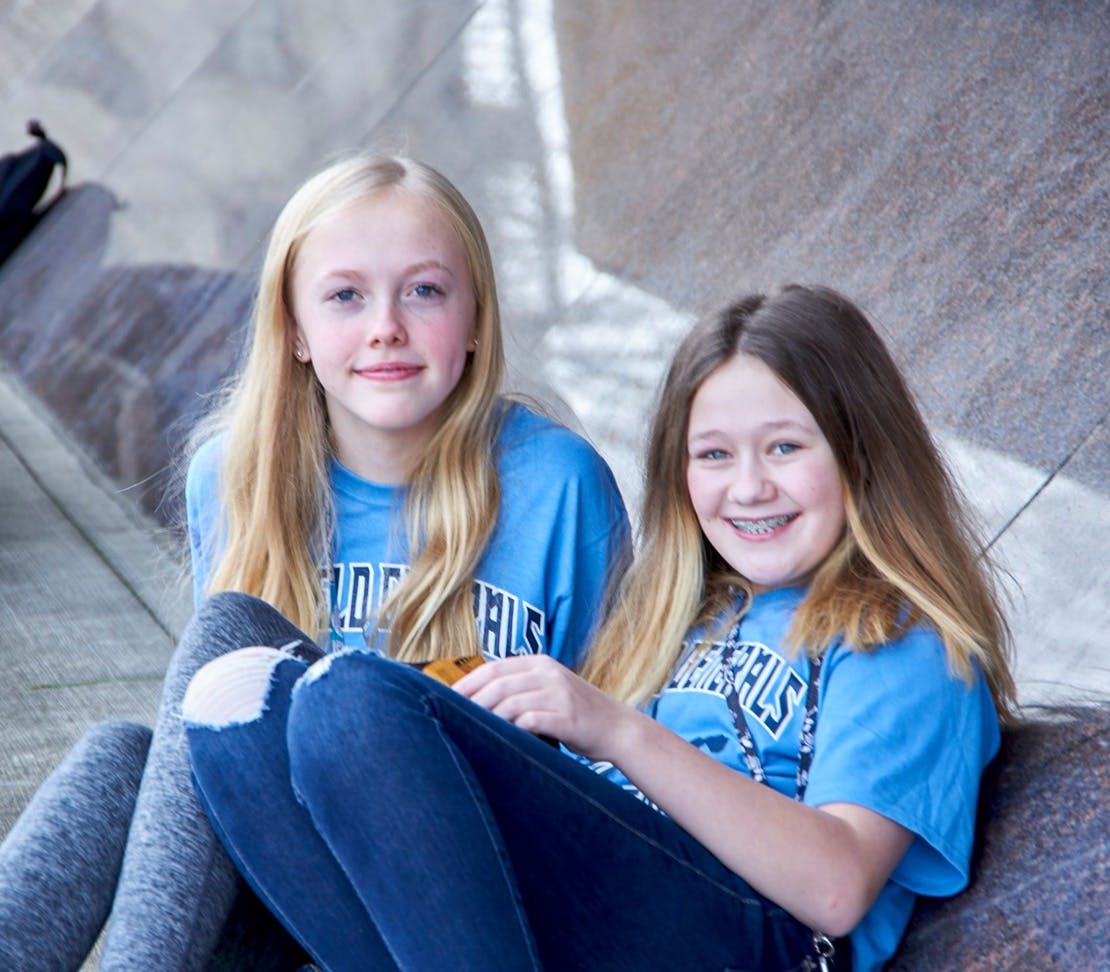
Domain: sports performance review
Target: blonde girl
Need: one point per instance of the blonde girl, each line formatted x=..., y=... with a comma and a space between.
x=276, y=497
x=363, y=484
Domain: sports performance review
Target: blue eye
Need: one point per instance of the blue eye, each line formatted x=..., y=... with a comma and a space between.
x=427, y=290
x=784, y=448
x=345, y=295
x=712, y=455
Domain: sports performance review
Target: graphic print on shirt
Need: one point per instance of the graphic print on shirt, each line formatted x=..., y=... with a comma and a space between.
x=747, y=675
x=704, y=696
x=507, y=624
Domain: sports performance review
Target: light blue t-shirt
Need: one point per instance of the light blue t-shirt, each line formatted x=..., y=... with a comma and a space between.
x=897, y=733
x=561, y=533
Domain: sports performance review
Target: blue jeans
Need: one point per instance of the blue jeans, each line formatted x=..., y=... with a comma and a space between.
x=391, y=823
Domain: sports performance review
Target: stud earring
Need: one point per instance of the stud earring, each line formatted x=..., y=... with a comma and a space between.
x=299, y=354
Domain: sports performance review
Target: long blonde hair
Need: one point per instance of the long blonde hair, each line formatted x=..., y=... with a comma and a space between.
x=909, y=552
x=276, y=500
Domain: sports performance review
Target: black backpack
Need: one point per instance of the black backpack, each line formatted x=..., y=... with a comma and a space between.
x=24, y=177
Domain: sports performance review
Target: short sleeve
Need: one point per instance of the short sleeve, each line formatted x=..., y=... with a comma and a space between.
x=202, y=506
x=900, y=734
x=562, y=535
x=594, y=549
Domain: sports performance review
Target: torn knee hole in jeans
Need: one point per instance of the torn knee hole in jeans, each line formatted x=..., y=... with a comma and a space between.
x=321, y=668
x=232, y=689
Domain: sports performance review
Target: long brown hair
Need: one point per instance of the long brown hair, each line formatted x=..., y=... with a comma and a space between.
x=909, y=552
x=275, y=496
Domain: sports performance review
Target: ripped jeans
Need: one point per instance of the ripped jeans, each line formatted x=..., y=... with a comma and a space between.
x=391, y=823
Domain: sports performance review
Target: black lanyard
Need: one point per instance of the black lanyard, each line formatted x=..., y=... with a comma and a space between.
x=809, y=727
x=824, y=949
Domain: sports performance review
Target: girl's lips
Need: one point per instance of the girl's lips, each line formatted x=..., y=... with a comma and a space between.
x=390, y=371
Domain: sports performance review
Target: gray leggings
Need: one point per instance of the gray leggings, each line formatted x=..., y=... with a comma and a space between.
x=176, y=886
x=59, y=863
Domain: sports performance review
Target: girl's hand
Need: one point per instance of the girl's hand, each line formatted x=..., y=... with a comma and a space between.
x=540, y=695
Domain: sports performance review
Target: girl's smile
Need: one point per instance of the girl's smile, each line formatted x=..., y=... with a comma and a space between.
x=762, y=479
x=765, y=527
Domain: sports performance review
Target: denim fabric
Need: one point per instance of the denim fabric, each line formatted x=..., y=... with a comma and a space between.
x=243, y=780
x=59, y=863
x=391, y=823
x=177, y=885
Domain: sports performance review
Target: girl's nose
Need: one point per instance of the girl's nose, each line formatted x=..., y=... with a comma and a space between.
x=386, y=326
x=750, y=483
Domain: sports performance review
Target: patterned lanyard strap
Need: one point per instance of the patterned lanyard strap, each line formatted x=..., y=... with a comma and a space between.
x=824, y=949
x=805, y=749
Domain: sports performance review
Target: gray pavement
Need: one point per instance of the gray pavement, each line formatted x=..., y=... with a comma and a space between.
x=91, y=596
x=630, y=175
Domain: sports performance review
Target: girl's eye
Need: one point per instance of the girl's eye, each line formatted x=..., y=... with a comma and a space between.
x=426, y=290
x=784, y=448
x=711, y=455
x=345, y=295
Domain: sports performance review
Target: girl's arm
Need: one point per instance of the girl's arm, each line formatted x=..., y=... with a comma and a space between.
x=825, y=865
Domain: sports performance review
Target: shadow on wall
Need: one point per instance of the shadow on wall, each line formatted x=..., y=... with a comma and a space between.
x=124, y=357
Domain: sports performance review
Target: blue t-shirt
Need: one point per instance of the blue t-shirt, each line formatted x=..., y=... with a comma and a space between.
x=897, y=733
x=561, y=532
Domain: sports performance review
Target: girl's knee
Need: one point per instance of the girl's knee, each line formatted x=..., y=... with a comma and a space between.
x=233, y=688
x=345, y=712
x=117, y=747
x=212, y=632
x=231, y=611
x=354, y=681
x=118, y=735
x=355, y=673
x=235, y=601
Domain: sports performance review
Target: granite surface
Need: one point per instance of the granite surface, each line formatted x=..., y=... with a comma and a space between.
x=1039, y=888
